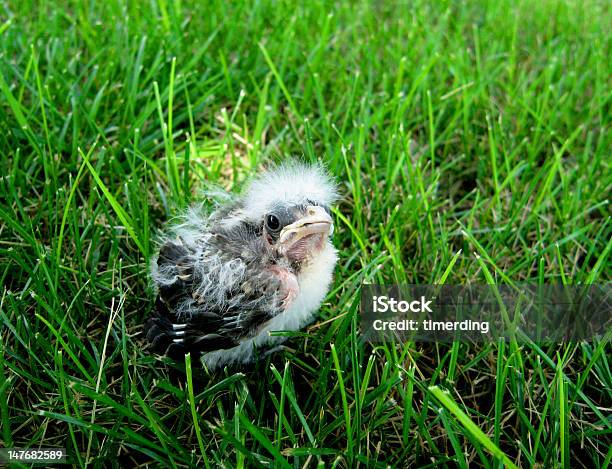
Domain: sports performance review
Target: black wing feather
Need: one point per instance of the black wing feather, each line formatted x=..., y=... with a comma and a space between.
x=207, y=329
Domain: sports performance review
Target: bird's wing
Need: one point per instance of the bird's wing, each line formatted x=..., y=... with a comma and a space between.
x=211, y=300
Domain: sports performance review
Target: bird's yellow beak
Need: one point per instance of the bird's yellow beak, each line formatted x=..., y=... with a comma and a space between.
x=316, y=220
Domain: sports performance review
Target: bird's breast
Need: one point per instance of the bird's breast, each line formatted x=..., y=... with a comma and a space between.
x=313, y=282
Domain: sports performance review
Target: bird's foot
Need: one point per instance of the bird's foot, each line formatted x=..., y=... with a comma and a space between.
x=278, y=348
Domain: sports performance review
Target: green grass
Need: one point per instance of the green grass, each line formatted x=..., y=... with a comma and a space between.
x=471, y=142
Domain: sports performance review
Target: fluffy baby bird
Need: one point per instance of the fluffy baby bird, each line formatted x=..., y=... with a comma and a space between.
x=261, y=262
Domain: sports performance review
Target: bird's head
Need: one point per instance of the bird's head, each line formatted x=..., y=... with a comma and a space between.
x=291, y=203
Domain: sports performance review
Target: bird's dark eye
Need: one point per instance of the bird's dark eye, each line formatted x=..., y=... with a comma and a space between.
x=272, y=222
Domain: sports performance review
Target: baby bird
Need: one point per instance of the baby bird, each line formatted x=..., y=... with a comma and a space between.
x=261, y=262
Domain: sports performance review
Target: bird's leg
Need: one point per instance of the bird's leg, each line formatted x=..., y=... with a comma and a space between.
x=277, y=348
x=289, y=285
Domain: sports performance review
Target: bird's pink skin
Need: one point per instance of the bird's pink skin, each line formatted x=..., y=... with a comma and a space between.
x=290, y=287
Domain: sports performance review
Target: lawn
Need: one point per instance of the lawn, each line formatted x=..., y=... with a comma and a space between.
x=471, y=142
